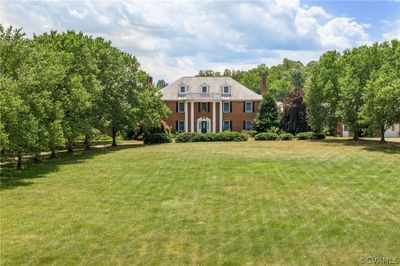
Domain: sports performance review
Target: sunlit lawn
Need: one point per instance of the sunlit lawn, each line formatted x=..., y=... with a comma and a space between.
x=294, y=202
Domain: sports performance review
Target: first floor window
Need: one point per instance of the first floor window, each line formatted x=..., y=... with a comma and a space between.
x=180, y=125
x=345, y=128
x=227, y=107
x=248, y=125
x=181, y=107
x=249, y=107
x=226, y=125
x=204, y=107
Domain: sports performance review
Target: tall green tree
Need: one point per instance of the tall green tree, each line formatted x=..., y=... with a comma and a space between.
x=267, y=116
x=294, y=115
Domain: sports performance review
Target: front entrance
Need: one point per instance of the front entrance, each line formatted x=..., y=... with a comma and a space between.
x=203, y=126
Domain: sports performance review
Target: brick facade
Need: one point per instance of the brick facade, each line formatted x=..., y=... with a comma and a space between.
x=237, y=116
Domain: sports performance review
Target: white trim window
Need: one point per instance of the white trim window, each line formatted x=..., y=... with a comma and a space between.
x=204, y=107
x=249, y=107
x=204, y=89
x=181, y=107
x=182, y=89
x=226, y=125
x=248, y=125
x=226, y=90
x=227, y=107
x=181, y=126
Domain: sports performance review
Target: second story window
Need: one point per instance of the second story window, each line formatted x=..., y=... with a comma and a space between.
x=204, y=89
x=182, y=89
x=226, y=90
x=248, y=107
x=227, y=107
x=181, y=107
x=204, y=107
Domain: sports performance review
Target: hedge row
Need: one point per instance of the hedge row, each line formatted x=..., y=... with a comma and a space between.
x=220, y=136
x=309, y=135
x=273, y=136
x=155, y=138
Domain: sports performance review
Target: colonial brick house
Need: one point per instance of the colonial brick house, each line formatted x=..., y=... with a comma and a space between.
x=210, y=104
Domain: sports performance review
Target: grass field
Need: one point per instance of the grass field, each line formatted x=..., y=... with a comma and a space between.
x=296, y=202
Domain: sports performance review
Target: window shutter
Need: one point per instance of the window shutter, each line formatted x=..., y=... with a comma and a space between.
x=244, y=125
x=176, y=107
x=199, y=106
x=230, y=125
x=208, y=107
x=230, y=107
x=254, y=107
x=176, y=125
x=244, y=107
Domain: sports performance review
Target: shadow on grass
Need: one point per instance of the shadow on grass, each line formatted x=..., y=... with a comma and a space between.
x=368, y=145
x=11, y=177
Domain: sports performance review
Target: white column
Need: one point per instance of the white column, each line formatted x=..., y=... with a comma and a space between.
x=192, y=117
x=186, y=116
x=220, y=116
x=214, y=117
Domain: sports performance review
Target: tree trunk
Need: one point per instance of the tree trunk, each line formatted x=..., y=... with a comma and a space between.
x=53, y=154
x=356, y=137
x=36, y=158
x=114, y=133
x=70, y=148
x=87, y=142
x=19, y=161
x=383, y=134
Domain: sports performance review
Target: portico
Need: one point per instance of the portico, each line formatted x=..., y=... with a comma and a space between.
x=209, y=117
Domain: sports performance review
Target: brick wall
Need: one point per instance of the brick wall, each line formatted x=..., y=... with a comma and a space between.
x=237, y=116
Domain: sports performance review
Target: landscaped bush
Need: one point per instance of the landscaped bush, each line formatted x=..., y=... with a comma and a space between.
x=153, y=138
x=318, y=136
x=184, y=137
x=266, y=136
x=230, y=136
x=310, y=135
x=202, y=137
x=199, y=137
x=286, y=136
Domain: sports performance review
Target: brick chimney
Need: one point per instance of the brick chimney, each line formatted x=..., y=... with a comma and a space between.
x=264, y=84
x=149, y=80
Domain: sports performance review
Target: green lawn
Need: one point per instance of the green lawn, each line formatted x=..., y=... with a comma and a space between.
x=294, y=202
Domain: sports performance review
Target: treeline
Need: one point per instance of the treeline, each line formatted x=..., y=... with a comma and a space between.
x=359, y=87
x=57, y=87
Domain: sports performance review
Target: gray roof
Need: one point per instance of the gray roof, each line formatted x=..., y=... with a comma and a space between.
x=215, y=85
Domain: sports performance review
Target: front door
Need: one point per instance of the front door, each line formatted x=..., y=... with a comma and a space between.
x=203, y=126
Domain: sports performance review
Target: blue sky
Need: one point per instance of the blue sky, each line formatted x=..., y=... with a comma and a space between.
x=176, y=38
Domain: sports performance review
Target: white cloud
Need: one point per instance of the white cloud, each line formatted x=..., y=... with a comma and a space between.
x=394, y=33
x=175, y=38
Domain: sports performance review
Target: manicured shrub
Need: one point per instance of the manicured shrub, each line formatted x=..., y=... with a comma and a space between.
x=318, y=136
x=199, y=137
x=266, y=136
x=304, y=135
x=286, y=136
x=184, y=137
x=230, y=136
x=153, y=138
x=309, y=135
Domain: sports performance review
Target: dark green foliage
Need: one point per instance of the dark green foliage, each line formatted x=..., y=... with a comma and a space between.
x=266, y=136
x=286, y=136
x=310, y=136
x=201, y=137
x=267, y=116
x=294, y=117
x=156, y=138
x=250, y=133
x=184, y=137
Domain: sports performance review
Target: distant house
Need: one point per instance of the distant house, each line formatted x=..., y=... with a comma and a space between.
x=392, y=132
x=210, y=104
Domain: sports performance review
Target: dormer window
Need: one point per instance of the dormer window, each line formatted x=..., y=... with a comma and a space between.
x=226, y=90
x=182, y=89
x=204, y=89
